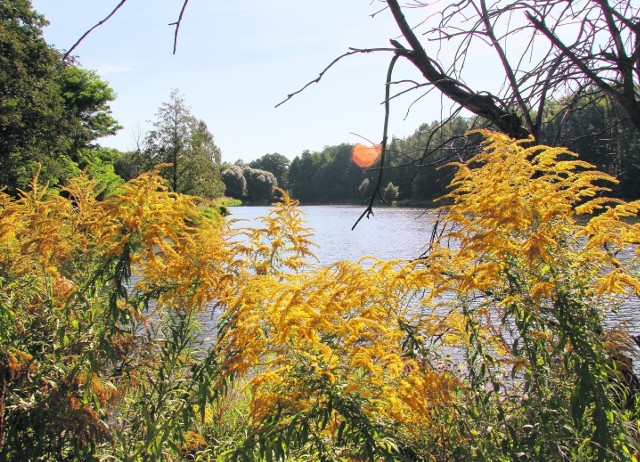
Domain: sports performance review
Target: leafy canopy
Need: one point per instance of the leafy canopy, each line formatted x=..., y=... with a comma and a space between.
x=185, y=142
x=51, y=113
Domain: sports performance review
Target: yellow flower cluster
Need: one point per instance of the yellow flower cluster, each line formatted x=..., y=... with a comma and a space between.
x=334, y=329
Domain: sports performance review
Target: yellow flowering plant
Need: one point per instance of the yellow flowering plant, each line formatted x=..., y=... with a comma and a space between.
x=91, y=360
x=491, y=347
x=128, y=323
x=525, y=262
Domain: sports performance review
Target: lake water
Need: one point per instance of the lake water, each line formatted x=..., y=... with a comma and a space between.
x=391, y=233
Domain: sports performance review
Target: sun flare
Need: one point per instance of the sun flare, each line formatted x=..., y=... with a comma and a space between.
x=365, y=156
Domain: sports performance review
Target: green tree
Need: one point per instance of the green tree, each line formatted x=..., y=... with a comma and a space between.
x=366, y=188
x=86, y=102
x=426, y=152
x=86, y=97
x=303, y=177
x=595, y=129
x=390, y=192
x=234, y=181
x=326, y=176
x=260, y=184
x=51, y=112
x=185, y=142
x=276, y=164
x=100, y=163
x=343, y=176
x=132, y=163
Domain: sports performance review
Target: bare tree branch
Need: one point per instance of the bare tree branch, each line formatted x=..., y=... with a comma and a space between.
x=511, y=77
x=626, y=96
x=387, y=109
x=177, y=24
x=482, y=105
x=352, y=51
x=75, y=45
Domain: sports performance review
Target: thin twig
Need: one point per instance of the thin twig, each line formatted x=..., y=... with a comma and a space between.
x=369, y=210
x=66, y=55
x=352, y=51
x=362, y=136
x=177, y=24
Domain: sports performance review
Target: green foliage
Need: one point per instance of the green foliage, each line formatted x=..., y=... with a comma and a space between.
x=418, y=164
x=250, y=184
x=329, y=176
x=276, y=164
x=86, y=98
x=30, y=104
x=414, y=165
x=183, y=141
x=100, y=164
x=49, y=110
x=597, y=130
x=132, y=164
x=235, y=182
x=260, y=184
x=390, y=193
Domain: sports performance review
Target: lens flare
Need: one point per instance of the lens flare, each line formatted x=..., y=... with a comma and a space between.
x=365, y=156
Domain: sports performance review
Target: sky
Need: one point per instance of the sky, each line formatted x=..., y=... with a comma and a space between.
x=235, y=61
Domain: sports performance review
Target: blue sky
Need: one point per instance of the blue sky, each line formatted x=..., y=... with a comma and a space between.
x=236, y=60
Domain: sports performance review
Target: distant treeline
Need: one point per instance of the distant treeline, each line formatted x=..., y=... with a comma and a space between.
x=417, y=168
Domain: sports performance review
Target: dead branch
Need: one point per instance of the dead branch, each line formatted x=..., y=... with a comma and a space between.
x=481, y=104
x=75, y=45
x=177, y=24
x=351, y=52
x=385, y=132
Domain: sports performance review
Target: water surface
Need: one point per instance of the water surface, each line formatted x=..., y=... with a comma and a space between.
x=391, y=233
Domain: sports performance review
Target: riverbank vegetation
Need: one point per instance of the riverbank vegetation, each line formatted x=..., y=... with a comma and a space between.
x=139, y=324
x=135, y=328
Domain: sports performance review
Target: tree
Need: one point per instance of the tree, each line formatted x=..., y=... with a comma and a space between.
x=327, y=176
x=260, y=184
x=561, y=56
x=185, y=142
x=276, y=164
x=596, y=130
x=87, y=98
x=86, y=101
x=365, y=188
x=390, y=192
x=536, y=46
x=304, y=175
x=30, y=106
x=131, y=164
x=234, y=181
x=426, y=177
x=341, y=173
x=541, y=53
x=51, y=112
